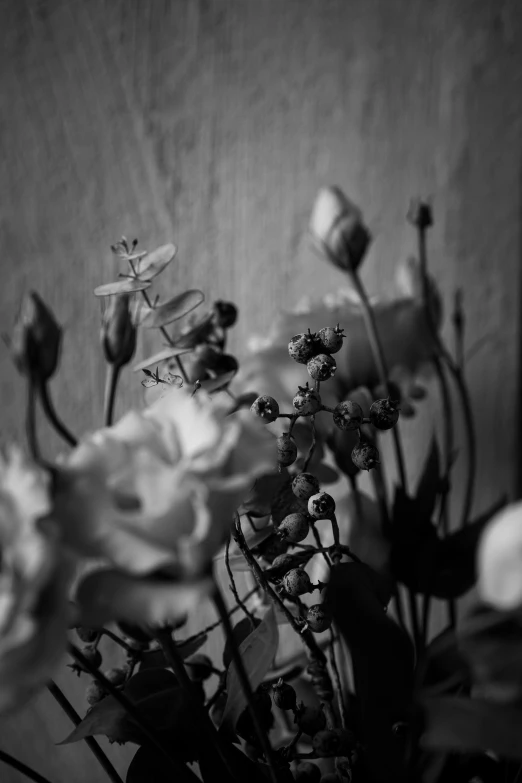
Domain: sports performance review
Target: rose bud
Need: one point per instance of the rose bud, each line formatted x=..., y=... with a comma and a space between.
x=118, y=331
x=36, y=339
x=337, y=229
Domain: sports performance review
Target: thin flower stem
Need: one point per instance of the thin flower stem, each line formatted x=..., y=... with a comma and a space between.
x=128, y=705
x=319, y=543
x=312, y=446
x=111, y=385
x=380, y=361
x=73, y=716
x=233, y=587
x=52, y=416
x=30, y=422
x=21, y=767
x=245, y=684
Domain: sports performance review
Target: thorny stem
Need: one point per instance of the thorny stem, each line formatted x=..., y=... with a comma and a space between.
x=245, y=684
x=233, y=587
x=111, y=384
x=30, y=773
x=128, y=705
x=52, y=416
x=73, y=716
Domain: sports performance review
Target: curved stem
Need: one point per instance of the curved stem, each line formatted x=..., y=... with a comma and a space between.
x=245, y=683
x=233, y=587
x=52, y=416
x=30, y=421
x=73, y=716
x=111, y=385
x=21, y=767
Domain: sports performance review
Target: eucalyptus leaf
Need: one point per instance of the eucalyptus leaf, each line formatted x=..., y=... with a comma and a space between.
x=155, y=262
x=161, y=356
x=126, y=286
x=174, y=309
x=196, y=334
x=258, y=651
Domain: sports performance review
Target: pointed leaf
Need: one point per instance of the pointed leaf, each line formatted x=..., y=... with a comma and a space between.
x=196, y=334
x=240, y=631
x=107, y=717
x=150, y=765
x=154, y=263
x=126, y=286
x=258, y=652
x=174, y=309
x=429, y=482
x=161, y=356
x=463, y=725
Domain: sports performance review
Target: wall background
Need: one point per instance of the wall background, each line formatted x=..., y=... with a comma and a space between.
x=212, y=124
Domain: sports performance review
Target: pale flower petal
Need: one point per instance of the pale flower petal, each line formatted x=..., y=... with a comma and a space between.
x=499, y=560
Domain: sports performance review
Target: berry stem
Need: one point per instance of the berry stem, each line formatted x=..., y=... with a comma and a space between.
x=93, y=746
x=312, y=446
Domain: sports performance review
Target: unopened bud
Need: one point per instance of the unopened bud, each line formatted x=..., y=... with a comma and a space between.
x=118, y=331
x=337, y=229
x=36, y=339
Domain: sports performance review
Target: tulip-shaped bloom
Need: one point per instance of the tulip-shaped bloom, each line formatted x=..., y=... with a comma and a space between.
x=34, y=580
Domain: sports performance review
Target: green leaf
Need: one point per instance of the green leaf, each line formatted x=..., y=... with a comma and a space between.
x=127, y=286
x=429, y=483
x=258, y=651
x=150, y=765
x=154, y=263
x=161, y=356
x=174, y=309
x=463, y=725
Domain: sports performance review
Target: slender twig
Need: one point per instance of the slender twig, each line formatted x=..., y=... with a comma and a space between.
x=52, y=416
x=312, y=446
x=217, y=623
x=233, y=587
x=337, y=678
x=73, y=716
x=111, y=385
x=21, y=767
x=320, y=548
x=245, y=684
x=128, y=705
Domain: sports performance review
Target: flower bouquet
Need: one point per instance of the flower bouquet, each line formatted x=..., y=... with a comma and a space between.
x=330, y=668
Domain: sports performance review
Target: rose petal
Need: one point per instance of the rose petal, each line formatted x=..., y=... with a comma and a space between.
x=499, y=560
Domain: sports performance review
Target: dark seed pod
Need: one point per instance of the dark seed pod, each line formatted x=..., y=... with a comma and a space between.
x=199, y=667
x=225, y=314
x=94, y=693
x=297, y=582
x=310, y=720
x=303, y=347
x=318, y=618
x=331, y=340
x=294, y=527
x=305, y=485
x=87, y=635
x=284, y=696
x=364, y=455
x=307, y=401
x=307, y=772
x=322, y=367
x=321, y=505
x=348, y=415
x=208, y=355
x=226, y=363
x=93, y=656
x=384, y=414
x=266, y=408
x=286, y=450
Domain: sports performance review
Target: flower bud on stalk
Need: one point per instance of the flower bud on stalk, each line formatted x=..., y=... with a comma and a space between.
x=118, y=331
x=36, y=339
x=337, y=229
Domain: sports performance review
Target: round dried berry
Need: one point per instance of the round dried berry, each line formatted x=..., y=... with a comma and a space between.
x=322, y=367
x=87, y=635
x=199, y=667
x=305, y=485
x=294, y=527
x=307, y=772
x=281, y=564
x=310, y=720
x=303, y=347
x=225, y=314
x=307, y=401
x=117, y=676
x=94, y=693
x=365, y=456
x=286, y=450
x=333, y=742
x=318, y=618
x=284, y=696
x=297, y=582
x=321, y=505
x=384, y=414
x=266, y=408
x=331, y=339
x=348, y=415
